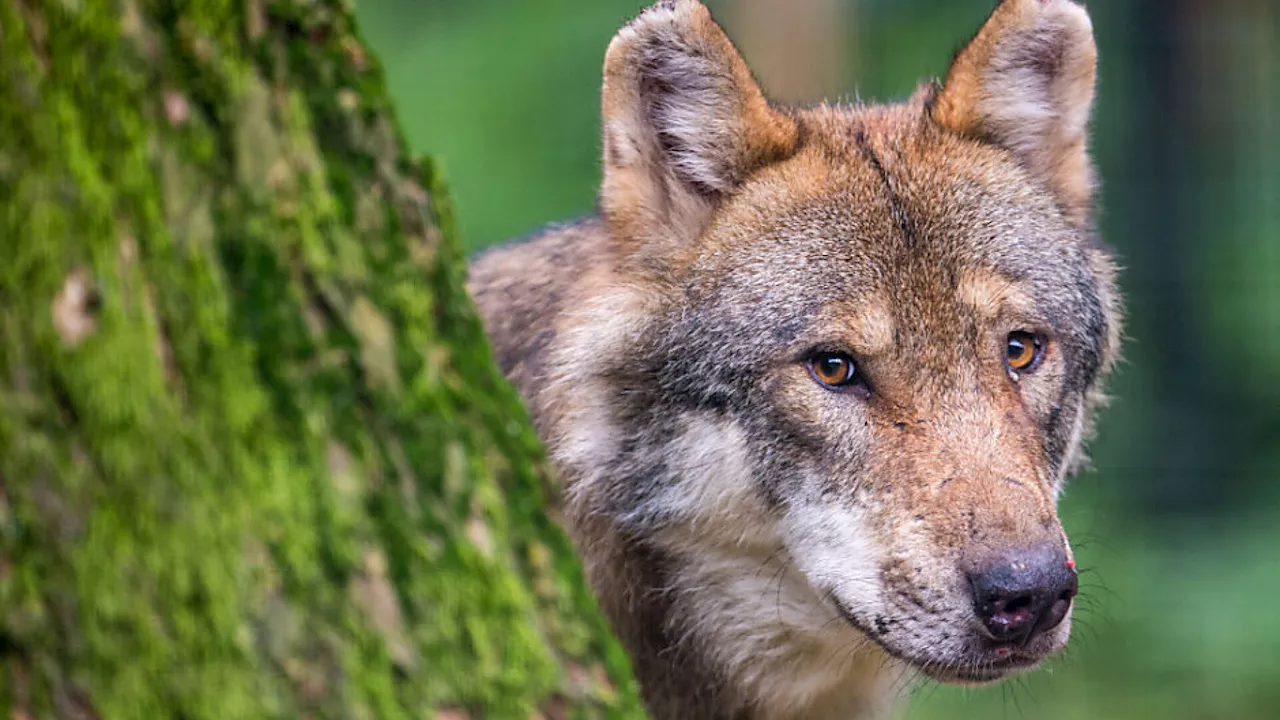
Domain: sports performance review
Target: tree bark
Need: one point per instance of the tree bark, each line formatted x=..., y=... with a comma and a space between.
x=255, y=459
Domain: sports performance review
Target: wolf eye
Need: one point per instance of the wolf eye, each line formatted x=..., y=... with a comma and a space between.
x=1023, y=351
x=833, y=370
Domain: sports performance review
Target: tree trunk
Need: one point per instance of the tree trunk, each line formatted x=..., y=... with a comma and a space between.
x=255, y=460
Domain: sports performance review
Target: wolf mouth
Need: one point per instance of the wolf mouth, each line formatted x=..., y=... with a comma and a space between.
x=976, y=670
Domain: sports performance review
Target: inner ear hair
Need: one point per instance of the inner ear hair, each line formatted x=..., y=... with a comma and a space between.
x=684, y=123
x=1026, y=83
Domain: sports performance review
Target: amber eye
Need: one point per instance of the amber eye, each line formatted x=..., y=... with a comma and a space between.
x=833, y=370
x=1023, y=350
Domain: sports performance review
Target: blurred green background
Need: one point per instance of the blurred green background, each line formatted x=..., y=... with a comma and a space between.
x=1178, y=525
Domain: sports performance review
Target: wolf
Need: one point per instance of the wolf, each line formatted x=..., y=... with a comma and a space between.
x=813, y=378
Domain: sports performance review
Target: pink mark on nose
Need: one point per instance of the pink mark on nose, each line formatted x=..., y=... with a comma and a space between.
x=1071, y=564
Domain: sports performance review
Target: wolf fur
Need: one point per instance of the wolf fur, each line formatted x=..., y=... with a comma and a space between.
x=766, y=546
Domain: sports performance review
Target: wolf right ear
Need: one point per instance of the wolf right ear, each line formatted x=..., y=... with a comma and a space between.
x=1026, y=83
x=684, y=124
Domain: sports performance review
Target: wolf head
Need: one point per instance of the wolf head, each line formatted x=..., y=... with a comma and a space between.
x=865, y=339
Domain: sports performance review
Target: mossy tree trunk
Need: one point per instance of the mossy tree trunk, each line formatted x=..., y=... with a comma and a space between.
x=255, y=460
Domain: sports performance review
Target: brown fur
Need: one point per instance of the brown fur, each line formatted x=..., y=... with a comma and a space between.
x=766, y=547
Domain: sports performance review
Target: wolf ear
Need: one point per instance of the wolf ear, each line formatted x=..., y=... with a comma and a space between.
x=1026, y=82
x=684, y=123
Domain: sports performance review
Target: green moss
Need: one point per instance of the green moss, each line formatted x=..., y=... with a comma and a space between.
x=278, y=474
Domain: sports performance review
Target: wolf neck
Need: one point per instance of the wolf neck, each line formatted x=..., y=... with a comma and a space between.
x=739, y=597
x=784, y=652
x=722, y=623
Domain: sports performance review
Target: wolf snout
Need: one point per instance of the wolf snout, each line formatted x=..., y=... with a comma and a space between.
x=1021, y=593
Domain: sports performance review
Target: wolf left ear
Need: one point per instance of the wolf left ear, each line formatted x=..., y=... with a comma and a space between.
x=684, y=124
x=1026, y=83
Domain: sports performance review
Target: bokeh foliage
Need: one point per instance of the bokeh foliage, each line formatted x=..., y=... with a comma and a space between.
x=1178, y=524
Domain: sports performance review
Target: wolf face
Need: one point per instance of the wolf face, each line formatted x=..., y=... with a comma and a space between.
x=858, y=339
x=814, y=378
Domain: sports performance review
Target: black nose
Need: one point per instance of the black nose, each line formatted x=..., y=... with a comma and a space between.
x=1019, y=594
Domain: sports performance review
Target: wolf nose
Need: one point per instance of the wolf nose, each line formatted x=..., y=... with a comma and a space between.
x=1019, y=594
